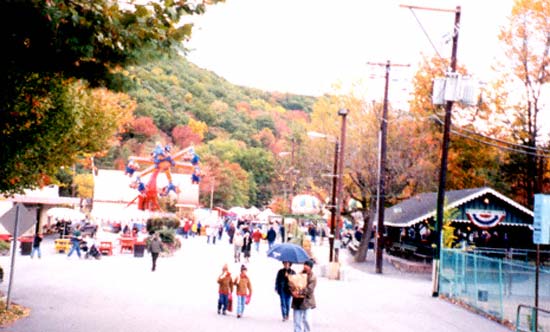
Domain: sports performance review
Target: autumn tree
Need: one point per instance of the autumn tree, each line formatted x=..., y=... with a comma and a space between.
x=84, y=185
x=57, y=45
x=143, y=128
x=184, y=136
x=527, y=49
x=226, y=181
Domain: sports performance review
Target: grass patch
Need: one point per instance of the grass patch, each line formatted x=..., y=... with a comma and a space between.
x=8, y=317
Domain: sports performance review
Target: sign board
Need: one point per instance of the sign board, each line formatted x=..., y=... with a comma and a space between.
x=541, y=222
x=27, y=219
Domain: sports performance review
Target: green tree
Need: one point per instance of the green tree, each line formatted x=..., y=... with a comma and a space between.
x=47, y=53
x=259, y=165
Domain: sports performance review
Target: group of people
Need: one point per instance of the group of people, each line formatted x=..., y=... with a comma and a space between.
x=243, y=288
x=301, y=300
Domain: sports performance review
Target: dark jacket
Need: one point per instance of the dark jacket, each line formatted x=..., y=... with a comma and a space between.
x=36, y=241
x=271, y=235
x=281, y=282
x=247, y=243
x=307, y=295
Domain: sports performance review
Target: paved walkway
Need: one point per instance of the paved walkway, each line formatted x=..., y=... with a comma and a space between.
x=120, y=293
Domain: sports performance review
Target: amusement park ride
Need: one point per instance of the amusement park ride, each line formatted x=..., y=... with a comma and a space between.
x=161, y=160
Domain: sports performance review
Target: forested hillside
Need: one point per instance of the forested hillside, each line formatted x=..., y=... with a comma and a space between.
x=237, y=130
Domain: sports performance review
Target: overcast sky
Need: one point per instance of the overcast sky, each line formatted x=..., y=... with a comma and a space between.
x=307, y=46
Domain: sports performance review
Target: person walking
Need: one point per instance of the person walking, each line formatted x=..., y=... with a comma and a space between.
x=282, y=232
x=283, y=288
x=237, y=246
x=155, y=248
x=271, y=236
x=36, y=245
x=211, y=234
x=231, y=232
x=257, y=237
x=220, y=231
x=243, y=288
x=304, y=300
x=186, y=228
x=75, y=242
x=225, y=287
x=247, y=246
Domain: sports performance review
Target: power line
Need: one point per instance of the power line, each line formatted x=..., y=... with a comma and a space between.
x=499, y=146
x=425, y=32
x=521, y=146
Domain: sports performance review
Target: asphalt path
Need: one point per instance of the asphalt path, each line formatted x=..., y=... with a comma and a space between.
x=121, y=293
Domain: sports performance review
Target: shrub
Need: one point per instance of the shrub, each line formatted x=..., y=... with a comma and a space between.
x=4, y=247
x=155, y=224
x=168, y=238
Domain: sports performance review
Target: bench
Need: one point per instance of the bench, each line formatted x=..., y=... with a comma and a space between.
x=424, y=252
x=406, y=250
x=402, y=249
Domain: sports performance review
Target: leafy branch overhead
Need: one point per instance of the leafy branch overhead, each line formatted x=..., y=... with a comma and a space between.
x=51, y=62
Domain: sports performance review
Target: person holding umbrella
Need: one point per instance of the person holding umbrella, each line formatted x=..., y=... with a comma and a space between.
x=304, y=300
x=283, y=288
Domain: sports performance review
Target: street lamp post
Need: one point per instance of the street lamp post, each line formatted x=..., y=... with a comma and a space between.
x=337, y=174
x=343, y=113
x=333, y=208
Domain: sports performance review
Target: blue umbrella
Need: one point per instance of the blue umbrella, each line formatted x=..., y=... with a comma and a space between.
x=288, y=252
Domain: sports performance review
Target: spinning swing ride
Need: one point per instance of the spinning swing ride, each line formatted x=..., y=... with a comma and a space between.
x=161, y=161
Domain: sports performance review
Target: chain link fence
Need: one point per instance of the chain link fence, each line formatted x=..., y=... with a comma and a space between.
x=494, y=286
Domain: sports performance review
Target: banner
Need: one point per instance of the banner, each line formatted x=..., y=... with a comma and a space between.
x=485, y=218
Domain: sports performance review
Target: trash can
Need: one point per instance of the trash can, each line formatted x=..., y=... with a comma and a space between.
x=139, y=249
x=26, y=245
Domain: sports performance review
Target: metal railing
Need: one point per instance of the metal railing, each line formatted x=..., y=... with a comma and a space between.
x=512, y=253
x=535, y=319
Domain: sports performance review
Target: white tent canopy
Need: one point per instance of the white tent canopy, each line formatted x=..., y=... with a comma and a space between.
x=265, y=214
x=241, y=211
x=67, y=214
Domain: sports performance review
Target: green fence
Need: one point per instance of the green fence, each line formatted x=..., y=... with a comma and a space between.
x=492, y=285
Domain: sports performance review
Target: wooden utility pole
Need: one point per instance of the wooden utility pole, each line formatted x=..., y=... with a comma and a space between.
x=444, y=158
x=444, y=149
x=382, y=166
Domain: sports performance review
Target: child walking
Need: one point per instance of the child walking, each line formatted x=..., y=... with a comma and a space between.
x=244, y=291
x=225, y=288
